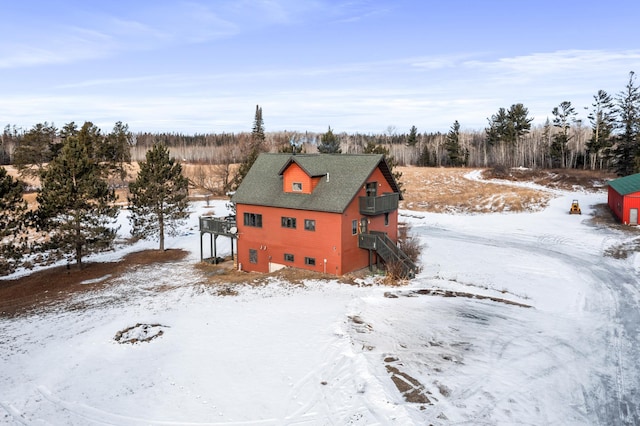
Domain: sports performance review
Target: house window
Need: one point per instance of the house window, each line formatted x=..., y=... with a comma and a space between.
x=354, y=226
x=297, y=186
x=372, y=189
x=309, y=225
x=288, y=257
x=289, y=222
x=386, y=219
x=311, y=261
x=253, y=256
x=253, y=219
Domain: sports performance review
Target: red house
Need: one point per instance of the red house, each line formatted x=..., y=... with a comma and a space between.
x=331, y=213
x=624, y=198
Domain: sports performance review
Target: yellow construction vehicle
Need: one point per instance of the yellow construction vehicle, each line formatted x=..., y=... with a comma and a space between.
x=575, y=208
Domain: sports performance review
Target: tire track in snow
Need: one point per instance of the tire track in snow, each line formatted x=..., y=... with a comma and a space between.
x=618, y=280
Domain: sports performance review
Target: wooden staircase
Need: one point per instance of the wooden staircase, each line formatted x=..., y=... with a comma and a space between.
x=388, y=251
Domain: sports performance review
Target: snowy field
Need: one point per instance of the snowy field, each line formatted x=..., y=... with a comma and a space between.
x=335, y=354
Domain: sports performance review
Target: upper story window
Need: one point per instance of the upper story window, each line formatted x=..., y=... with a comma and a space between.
x=289, y=222
x=253, y=219
x=309, y=225
x=372, y=189
x=296, y=186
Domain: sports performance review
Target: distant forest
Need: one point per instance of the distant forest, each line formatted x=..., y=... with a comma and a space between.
x=608, y=141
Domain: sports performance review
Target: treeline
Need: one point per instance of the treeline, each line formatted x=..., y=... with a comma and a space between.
x=606, y=140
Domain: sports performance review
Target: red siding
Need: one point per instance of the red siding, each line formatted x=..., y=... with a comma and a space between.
x=272, y=240
x=332, y=240
x=294, y=173
x=615, y=203
x=621, y=205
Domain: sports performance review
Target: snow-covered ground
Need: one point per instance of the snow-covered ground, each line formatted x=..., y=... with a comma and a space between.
x=328, y=353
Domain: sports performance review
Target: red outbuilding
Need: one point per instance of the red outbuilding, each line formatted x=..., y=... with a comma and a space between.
x=331, y=213
x=624, y=198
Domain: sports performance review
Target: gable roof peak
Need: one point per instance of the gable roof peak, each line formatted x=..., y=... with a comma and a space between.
x=263, y=184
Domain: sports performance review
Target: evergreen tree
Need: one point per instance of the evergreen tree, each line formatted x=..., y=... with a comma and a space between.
x=158, y=198
x=256, y=146
x=452, y=145
x=521, y=122
x=35, y=148
x=602, y=121
x=628, y=110
x=329, y=143
x=564, y=116
x=426, y=158
x=257, y=132
x=116, y=149
x=412, y=139
x=75, y=203
x=90, y=136
x=505, y=130
x=500, y=128
x=12, y=222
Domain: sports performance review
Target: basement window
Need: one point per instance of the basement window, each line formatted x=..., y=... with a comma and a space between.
x=297, y=186
x=288, y=257
x=311, y=261
x=253, y=256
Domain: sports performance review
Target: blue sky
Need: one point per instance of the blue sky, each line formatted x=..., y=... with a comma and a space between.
x=357, y=66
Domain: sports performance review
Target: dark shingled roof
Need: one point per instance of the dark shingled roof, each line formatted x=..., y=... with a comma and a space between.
x=342, y=176
x=626, y=185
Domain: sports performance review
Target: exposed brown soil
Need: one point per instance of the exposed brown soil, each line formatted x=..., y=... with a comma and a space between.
x=565, y=179
x=51, y=285
x=225, y=273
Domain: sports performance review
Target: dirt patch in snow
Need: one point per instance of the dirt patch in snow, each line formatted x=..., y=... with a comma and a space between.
x=140, y=333
x=50, y=286
x=564, y=179
x=450, y=293
x=410, y=388
x=225, y=273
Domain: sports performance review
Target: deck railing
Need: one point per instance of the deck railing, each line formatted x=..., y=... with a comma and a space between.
x=372, y=206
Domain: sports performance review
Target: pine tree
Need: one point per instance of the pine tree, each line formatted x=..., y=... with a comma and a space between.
x=564, y=116
x=602, y=121
x=452, y=145
x=257, y=132
x=116, y=149
x=35, y=149
x=75, y=203
x=158, y=199
x=256, y=146
x=505, y=130
x=412, y=139
x=628, y=109
x=12, y=221
x=329, y=143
